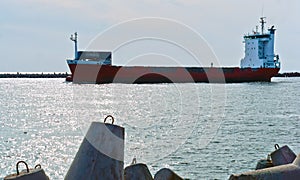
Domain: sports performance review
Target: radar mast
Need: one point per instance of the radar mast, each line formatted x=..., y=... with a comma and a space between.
x=74, y=39
x=263, y=22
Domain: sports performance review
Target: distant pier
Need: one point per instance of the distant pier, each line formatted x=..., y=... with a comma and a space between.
x=34, y=75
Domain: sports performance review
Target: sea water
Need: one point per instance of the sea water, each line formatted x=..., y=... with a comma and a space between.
x=201, y=131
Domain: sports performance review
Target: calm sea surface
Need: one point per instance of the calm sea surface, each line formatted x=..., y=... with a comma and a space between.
x=201, y=131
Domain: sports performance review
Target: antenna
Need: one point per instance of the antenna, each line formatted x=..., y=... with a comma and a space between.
x=262, y=19
x=262, y=9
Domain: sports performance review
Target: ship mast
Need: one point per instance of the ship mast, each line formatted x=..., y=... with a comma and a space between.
x=74, y=38
x=262, y=21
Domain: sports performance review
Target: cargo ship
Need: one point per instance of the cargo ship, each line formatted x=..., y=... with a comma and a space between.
x=259, y=64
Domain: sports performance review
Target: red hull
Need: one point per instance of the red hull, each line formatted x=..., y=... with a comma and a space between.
x=87, y=73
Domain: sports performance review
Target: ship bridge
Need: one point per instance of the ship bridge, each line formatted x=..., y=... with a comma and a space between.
x=89, y=57
x=259, y=49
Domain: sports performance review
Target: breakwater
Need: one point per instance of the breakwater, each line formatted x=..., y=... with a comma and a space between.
x=34, y=75
x=290, y=74
x=65, y=74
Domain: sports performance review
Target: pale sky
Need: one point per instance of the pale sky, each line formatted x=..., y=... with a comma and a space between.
x=34, y=34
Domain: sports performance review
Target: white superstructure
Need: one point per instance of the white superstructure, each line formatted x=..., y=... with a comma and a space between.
x=89, y=57
x=259, y=49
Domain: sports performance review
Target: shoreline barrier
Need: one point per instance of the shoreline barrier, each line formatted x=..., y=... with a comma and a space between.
x=282, y=155
x=264, y=163
x=282, y=172
x=36, y=173
x=137, y=171
x=166, y=174
x=286, y=165
x=101, y=153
